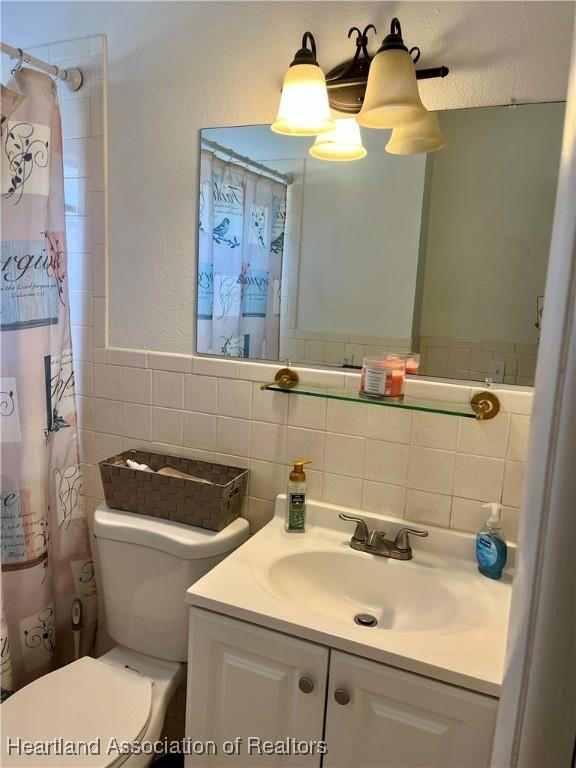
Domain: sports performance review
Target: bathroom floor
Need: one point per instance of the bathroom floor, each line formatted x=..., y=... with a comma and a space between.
x=169, y=761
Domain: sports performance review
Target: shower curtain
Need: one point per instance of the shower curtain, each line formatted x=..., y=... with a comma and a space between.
x=241, y=243
x=45, y=549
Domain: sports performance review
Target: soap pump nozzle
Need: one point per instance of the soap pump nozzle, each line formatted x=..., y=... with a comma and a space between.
x=494, y=521
x=297, y=475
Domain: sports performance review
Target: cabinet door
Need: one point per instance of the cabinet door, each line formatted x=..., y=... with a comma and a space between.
x=245, y=681
x=397, y=719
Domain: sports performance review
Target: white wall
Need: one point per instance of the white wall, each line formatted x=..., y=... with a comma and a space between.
x=177, y=67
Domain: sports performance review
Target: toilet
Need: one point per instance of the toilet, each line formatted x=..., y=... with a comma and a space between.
x=147, y=564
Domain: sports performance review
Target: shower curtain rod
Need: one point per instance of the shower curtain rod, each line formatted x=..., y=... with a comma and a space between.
x=286, y=178
x=72, y=77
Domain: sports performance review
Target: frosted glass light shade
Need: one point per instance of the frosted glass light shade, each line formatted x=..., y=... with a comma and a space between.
x=423, y=135
x=392, y=96
x=304, y=109
x=341, y=144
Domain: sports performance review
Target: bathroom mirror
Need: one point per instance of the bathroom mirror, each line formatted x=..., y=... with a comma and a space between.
x=323, y=263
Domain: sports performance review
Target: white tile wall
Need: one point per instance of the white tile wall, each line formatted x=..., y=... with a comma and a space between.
x=386, y=462
x=232, y=436
x=269, y=406
x=200, y=393
x=346, y=491
x=434, y=430
x=167, y=426
x=309, y=412
x=519, y=427
x=389, y=424
x=136, y=421
x=306, y=444
x=200, y=431
x=433, y=469
x=345, y=418
x=428, y=508
x=268, y=441
x=168, y=389
x=344, y=455
x=137, y=385
x=234, y=398
x=383, y=498
x=477, y=477
x=108, y=381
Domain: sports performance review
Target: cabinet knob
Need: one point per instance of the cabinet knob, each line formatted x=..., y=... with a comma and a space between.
x=341, y=696
x=306, y=685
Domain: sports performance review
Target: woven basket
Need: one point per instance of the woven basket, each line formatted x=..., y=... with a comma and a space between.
x=210, y=505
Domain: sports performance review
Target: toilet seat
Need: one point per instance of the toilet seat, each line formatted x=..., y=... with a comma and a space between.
x=82, y=702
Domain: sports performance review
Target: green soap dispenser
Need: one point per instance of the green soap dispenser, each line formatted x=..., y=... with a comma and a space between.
x=296, y=501
x=491, y=549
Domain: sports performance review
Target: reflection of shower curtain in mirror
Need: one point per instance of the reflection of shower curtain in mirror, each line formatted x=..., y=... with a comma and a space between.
x=45, y=549
x=241, y=242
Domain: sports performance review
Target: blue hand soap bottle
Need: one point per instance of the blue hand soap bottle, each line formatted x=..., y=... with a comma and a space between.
x=491, y=549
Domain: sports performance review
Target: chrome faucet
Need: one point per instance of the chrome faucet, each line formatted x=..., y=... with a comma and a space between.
x=376, y=543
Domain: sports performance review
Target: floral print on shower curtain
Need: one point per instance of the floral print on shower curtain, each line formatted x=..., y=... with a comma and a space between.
x=45, y=549
x=241, y=244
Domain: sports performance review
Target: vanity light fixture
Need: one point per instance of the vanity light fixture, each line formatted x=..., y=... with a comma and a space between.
x=422, y=135
x=341, y=144
x=382, y=91
x=304, y=109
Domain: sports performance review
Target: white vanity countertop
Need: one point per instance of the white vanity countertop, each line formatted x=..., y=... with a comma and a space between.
x=437, y=616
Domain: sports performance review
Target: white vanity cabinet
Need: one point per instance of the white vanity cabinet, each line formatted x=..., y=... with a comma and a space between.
x=245, y=680
x=380, y=716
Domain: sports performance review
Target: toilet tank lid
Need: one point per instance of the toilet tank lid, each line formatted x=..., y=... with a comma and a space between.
x=178, y=539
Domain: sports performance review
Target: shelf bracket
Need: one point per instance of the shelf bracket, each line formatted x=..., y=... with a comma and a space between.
x=285, y=378
x=485, y=405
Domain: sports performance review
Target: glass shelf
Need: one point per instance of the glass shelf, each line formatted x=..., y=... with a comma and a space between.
x=406, y=402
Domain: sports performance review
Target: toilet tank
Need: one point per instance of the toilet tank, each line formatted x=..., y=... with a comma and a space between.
x=146, y=565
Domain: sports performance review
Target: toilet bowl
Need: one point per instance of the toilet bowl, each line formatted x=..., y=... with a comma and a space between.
x=108, y=712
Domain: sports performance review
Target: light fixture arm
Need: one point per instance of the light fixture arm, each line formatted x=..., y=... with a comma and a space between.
x=346, y=83
x=306, y=55
x=393, y=40
x=359, y=65
x=431, y=73
x=361, y=40
x=308, y=37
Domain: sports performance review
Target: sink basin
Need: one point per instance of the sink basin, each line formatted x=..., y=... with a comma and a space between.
x=402, y=596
